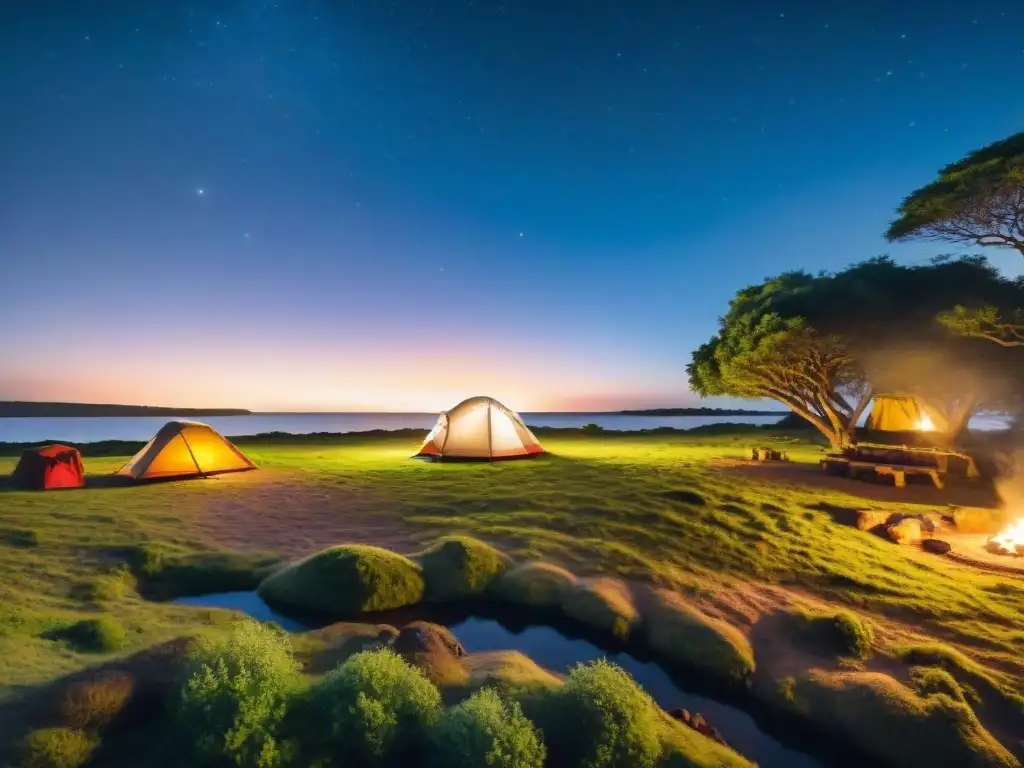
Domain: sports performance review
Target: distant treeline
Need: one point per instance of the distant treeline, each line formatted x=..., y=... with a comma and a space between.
x=15, y=408
x=703, y=412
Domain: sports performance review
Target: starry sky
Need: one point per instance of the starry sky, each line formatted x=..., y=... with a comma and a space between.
x=312, y=205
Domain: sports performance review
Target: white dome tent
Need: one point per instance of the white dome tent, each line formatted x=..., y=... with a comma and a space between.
x=479, y=428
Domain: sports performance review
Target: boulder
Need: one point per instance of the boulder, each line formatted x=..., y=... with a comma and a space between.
x=930, y=522
x=434, y=650
x=906, y=531
x=682, y=715
x=936, y=546
x=868, y=519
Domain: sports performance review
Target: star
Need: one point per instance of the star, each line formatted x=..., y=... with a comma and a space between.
x=200, y=192
x=520, y=234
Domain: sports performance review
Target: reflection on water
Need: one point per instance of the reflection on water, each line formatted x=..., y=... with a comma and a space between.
x=558, y=651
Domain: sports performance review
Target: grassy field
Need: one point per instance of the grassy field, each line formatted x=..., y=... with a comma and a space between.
x=663, y=508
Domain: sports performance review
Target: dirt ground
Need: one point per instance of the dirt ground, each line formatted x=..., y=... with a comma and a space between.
x=963, y=494
x=275, y=511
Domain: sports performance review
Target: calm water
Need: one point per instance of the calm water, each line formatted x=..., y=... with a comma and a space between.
x=557, y=652
x=87, y=430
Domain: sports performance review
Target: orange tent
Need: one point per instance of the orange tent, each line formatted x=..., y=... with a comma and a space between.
x=50, y=466
x=185, y=449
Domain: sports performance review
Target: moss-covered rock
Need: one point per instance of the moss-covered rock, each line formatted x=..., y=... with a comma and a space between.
x=602, y=603
x=511, y=673
x=538, y=585
x=345, y=580
x=458, y=567
x=892, y=724
x=683, y=635
x=434, y=650
x=835, y=634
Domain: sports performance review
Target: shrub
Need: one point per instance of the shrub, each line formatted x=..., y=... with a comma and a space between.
x=94, y=704
x=601, y=719
x=345, y=580
x=457, y=567
x=100, y=635
x=842, y=633
x=373, y=710
x=485, y=730
x=685, y=636
x=604, y=604
x=540, y=585
x=109, y=586
x=234, y=695
x=57, y=748
x=929, y=680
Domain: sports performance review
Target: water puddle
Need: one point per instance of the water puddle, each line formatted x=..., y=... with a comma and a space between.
x=558, y=651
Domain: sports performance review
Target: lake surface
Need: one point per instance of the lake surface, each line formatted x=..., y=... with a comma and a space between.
x=142, y=428
x=559, y=652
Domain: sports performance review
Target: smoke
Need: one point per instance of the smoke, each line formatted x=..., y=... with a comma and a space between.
x=1010, y=484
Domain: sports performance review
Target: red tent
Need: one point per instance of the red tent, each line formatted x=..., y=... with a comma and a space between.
x=51, y=466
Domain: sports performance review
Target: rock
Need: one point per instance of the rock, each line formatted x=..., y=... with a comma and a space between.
x=936, y=546
x=424, y=637
x=871, y=518
x=996, y=548
x=434, y=650
x=930, y=523
x=700, y=725
x=906, y=531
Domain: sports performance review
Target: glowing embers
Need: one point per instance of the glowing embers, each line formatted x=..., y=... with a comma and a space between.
x=1009, y=541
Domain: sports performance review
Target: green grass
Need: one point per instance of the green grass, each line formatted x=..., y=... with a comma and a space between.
x=643, y=508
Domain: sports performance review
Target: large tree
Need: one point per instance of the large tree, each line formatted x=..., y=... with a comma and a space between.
x=978, y=200
x=824, y=344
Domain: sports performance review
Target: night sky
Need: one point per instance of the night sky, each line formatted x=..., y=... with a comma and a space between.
x=391, y=205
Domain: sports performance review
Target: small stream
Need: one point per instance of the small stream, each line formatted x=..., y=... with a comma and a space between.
x=558, y=651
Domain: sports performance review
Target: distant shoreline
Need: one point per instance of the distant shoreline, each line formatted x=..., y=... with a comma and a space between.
x=15, y=409
x=50, y=410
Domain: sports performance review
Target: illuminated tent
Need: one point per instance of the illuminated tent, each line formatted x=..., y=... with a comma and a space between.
x=900, y=413
x=51, y=466
x=480, y=428
x=185, y=449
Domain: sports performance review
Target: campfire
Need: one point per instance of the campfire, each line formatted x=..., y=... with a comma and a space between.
x=924, y=423
x=1009, y=541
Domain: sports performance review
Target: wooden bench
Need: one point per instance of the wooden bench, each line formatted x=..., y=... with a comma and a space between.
x=898, y=472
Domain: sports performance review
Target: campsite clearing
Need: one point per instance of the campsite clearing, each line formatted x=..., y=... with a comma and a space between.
x=669, y=509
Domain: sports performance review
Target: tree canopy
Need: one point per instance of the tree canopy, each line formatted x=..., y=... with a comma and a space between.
x=823, y=344
x=978, y=200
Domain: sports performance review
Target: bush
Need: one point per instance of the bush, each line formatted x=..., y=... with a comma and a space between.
x=842, y=633
x=540, y=585
x=601, y=719
x=94, y=704
x=345, y=580
x=685, y=636
x=457, y=567
x=57, y=748
x=929, y=680
x=603, y=604
x=108, y=586
x=373, y=710
x=101, y=635
x=484, y=730
x=234, y=695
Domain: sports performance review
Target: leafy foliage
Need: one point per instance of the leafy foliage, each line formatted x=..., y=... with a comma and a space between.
x=823, y=344
x=234, y=695
x=484, y=730
x=57, y=748
x=978, y=200
x=601, y=719
x=986, y=323
x=373, y=710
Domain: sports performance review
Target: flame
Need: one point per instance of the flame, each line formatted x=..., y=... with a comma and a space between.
x=924, y=423
x=1011, y=537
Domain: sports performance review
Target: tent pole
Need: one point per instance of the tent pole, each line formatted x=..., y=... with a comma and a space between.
x=198, y=468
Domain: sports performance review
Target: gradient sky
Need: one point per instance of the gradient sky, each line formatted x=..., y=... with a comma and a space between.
x=304, y=205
